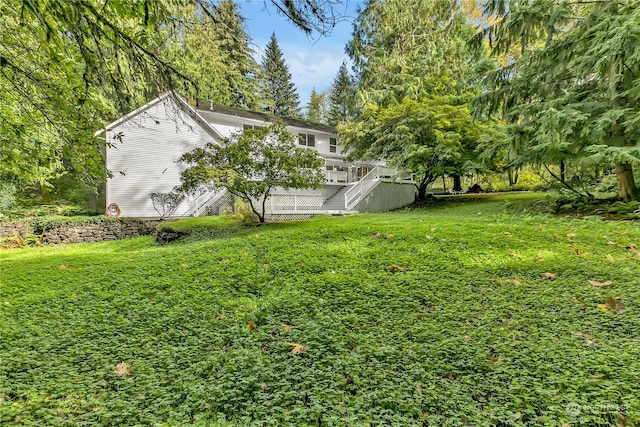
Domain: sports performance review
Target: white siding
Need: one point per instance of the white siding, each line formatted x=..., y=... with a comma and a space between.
x=146, y=160
x=227, y=125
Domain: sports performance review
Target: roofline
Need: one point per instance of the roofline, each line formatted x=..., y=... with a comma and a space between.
x=181, y=102
x=262, y=116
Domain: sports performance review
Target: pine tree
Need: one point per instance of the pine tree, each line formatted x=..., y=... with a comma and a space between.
x=280, y=92
x=342, y=97
x=316, y=108
x=237, y=56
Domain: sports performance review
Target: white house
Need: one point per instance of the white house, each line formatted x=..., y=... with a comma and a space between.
x=143, y=148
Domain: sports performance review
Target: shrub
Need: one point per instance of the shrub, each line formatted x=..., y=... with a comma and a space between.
x=241, y=212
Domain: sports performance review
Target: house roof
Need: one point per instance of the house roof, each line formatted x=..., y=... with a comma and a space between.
x=180, y=101
x=262, y=116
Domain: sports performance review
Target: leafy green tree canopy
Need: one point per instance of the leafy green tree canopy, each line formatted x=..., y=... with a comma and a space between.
x=428, y=137
x=251, y=164
x=575, y=90
x=316, y=108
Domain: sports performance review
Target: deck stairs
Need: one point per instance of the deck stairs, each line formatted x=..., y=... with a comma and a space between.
x=336, y=202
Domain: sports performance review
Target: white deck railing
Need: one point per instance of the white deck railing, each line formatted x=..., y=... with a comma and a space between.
x=205, y=200
x=368, y=182
x=287, y=202
x=336, y=176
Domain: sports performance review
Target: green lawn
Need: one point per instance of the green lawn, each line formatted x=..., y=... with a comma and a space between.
x=433, y=316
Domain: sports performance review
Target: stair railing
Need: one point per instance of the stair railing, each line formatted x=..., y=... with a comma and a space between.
x=205, y=200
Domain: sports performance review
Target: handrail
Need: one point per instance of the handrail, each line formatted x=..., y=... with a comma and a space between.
x=353, y=196
x=205, y=200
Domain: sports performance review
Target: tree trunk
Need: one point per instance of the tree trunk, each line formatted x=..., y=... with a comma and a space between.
x=512, y=175
x=422, y=191
x=627, y=189
x=457, y=183
x=46, y=194
x=444, y=184
x=563, y=172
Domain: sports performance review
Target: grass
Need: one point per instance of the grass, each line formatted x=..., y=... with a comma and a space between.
x=427, y=317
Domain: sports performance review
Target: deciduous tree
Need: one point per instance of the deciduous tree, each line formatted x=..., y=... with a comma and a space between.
x=253, y=163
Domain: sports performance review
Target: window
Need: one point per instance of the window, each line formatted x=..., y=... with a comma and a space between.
x=333, y=145
x=306, y=139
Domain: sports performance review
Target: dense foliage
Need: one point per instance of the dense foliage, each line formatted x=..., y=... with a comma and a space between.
x=429, y=317
x=69, y=67
x=252, y=164
x=281, y=97
x=573, y=91
x=416, y=76
x=342, y=97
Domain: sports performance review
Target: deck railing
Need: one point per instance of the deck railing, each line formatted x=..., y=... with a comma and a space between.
x=368, y=182
x=287, y=202
x=206, y=200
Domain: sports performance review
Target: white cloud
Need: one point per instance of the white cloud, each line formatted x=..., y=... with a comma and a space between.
x=312, y=68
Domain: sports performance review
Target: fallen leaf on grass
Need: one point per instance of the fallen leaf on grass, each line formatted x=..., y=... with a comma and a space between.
x=183, y=266
x=548, y=276
x=429, y=237
x=613, y=305
x=394, y=267
x=467, y=338
x=612, y=243
x=252, y=326
x=513, y=255
x=514, y=281
x=609, y=257
x=388, y=236
x=492, y=359
x=122, y=369
x=63, y=267
x=517, y=415
x=74, y=295
x=265, y=266
x=600, y=284
x=287, y=328
x=224, y=261
x=297, y=348
x=539, y=258
x=571, y=234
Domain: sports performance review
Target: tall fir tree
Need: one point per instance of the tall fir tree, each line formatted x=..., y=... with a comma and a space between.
x=281, y=97
x=342, y=102
x=317, y=107
x=242, y=70
x=574, y=91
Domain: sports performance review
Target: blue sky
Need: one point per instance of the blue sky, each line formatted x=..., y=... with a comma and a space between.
x=313, y=61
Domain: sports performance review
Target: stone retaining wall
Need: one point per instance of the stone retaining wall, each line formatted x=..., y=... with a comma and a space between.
x=78, y=233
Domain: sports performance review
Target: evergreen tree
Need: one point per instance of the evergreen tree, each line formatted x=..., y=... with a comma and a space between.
x=342, y=106
x=280, y=92
x=574, y=91
x=416, y=76
x=316, y=108
x=242, y=70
